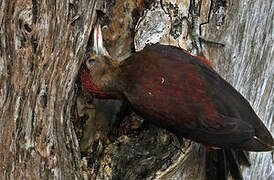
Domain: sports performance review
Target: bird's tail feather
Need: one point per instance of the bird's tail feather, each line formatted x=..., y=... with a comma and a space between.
x=222, y=162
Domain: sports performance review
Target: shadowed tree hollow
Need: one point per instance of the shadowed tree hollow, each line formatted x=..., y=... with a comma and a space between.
x=44, y=118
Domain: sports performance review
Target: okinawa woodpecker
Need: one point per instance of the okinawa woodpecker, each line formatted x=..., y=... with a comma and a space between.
x=179, y=92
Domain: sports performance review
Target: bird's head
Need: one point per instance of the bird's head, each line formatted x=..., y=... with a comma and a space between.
x=99, y=70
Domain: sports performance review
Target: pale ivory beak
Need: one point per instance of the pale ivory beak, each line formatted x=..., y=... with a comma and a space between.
x=98, y=46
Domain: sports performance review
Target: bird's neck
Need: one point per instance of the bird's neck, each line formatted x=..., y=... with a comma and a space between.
x=103, y=88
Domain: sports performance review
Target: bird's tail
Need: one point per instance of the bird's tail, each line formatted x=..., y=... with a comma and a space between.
x=222, y=162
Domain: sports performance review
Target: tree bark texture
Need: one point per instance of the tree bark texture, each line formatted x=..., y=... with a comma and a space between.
x=247, y=62
x=42, y=46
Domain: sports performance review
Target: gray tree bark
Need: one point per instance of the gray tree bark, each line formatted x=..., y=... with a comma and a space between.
x=247, y=62
x=42, y=46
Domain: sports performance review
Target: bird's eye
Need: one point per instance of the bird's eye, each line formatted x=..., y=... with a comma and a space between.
x=91, y=61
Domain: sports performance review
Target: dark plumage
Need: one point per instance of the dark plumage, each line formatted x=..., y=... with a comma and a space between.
x=181, y=93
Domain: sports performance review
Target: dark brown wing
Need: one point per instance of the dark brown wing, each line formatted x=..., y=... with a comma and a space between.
x=175, y=91
x=230, y=102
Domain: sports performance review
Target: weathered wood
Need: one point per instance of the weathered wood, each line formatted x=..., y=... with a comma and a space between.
x=42, y=45
x=247, y=62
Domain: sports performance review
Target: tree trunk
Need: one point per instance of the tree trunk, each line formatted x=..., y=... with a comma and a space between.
x=247, y=62
x=42, y=46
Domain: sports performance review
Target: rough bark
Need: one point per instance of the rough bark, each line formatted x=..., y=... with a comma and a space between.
x=247, y=62
x=42, y=46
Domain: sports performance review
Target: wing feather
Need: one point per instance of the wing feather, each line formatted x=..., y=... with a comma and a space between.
x=193, y=100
